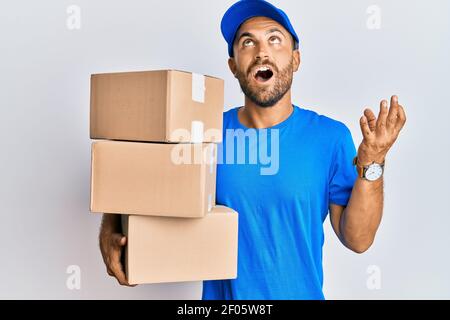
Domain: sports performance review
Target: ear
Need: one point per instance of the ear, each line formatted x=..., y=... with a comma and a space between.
x=232, y=66
x=297, y=60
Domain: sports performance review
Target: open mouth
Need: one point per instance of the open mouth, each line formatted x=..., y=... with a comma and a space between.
x=263, y=74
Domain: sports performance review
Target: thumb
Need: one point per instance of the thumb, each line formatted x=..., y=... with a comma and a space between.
x=119, y=239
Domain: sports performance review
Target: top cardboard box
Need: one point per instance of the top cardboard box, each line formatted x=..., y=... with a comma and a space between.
x=157, y=106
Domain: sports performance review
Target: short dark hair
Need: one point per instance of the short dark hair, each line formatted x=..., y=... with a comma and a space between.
x=295, y=46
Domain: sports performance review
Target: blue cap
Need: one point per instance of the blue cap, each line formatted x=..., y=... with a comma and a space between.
x=243, y=10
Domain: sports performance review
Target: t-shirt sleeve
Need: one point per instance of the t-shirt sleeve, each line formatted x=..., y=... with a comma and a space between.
x=343, y=173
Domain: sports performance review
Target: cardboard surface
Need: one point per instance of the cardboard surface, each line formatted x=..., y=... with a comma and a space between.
x=164, y=249
x=159, y=179
x=159, y=106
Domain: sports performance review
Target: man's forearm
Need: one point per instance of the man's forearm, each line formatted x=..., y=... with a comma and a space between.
x=362, y=216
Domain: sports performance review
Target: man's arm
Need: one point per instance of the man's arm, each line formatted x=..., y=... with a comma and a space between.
x=357, y=223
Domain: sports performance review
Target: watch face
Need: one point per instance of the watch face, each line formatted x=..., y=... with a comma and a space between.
x=373, y=172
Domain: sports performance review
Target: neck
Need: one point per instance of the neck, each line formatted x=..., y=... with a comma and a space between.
x=255, y=116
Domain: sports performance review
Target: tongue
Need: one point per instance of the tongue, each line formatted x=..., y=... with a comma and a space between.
x=261, y=78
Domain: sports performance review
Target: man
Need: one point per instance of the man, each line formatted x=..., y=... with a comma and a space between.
x=281, y=211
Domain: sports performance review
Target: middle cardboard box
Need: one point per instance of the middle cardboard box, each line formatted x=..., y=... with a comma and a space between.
x=155, y=179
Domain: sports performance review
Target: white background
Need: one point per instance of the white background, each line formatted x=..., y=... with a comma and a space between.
x=346, y=66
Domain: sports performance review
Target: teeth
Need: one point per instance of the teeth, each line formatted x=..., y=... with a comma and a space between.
x=263, y=68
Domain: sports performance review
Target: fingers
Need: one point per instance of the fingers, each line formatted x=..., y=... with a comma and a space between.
x=372, y=120
x=115, y=267
x=401, y=120
x=394, y=100
x=365, y=129
x=392, y=119
x=393, y=113
x=118, y=273
x=382, y=115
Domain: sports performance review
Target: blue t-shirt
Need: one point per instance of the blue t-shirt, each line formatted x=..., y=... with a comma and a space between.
x=302, y=164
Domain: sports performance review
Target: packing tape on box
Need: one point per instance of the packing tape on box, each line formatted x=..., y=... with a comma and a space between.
x=211, y=160
x=197, y=131
x=198, y=87
x=209, y=202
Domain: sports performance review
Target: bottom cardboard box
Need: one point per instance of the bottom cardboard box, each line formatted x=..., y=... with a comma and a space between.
x=169, y=249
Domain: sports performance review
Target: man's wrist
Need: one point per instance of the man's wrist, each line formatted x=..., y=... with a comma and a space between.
x=369, y=170
x=110, y=223
x=364, y=160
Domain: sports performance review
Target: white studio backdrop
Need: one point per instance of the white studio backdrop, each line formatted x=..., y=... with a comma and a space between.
x=354, y=53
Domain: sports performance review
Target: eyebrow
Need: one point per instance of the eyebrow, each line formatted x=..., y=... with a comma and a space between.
x=248, y=34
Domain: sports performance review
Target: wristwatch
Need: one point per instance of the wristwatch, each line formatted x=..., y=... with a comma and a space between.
x=369, y=172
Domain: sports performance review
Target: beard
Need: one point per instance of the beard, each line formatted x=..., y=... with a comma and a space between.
x=267, y=96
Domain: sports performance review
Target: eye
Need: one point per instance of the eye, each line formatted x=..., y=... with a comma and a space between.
x=275, y=39
x=247, y=42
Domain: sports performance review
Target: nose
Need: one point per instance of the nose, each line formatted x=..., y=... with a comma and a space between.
x=262, y=52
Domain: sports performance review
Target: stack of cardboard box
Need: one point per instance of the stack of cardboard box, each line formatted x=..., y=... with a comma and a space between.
x=156, y=166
